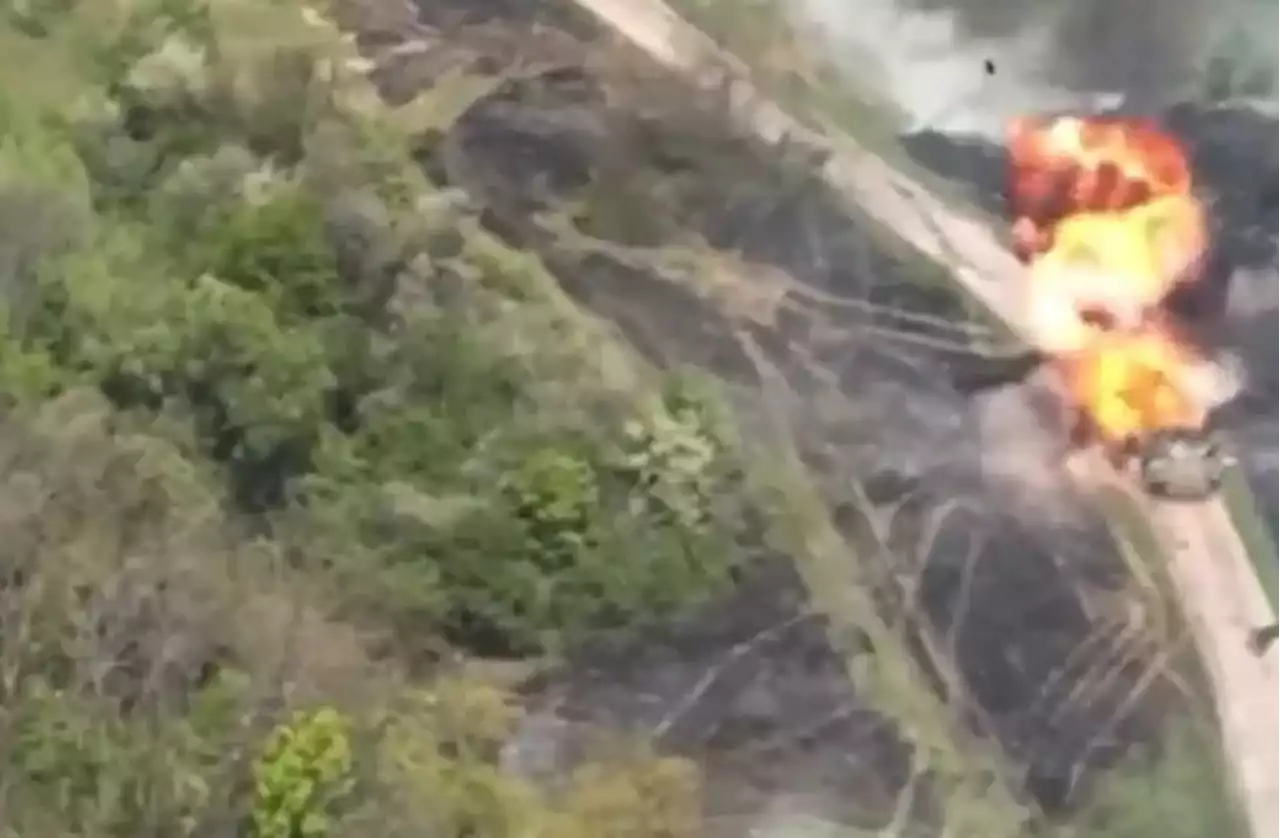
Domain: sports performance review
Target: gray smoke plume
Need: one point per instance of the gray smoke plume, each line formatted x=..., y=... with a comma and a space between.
x=930, y=57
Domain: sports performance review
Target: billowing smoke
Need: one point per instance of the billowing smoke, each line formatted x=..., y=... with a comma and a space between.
x=965, y=66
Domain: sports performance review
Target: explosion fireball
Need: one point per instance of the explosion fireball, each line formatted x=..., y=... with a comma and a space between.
x=1129, y=384
x=1106, y=222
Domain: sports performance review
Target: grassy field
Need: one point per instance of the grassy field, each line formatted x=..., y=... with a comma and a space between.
x=305, y=469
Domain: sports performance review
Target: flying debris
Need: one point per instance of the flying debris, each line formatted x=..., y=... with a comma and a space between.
x=1105, y=219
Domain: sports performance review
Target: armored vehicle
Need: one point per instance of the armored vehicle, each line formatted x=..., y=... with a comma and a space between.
x=1181, y=464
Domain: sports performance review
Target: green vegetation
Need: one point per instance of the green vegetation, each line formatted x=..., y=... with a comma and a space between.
x=283, y=425
x=252, y=279
x=289, y=442
x=1243, y=509
x=1176, y=793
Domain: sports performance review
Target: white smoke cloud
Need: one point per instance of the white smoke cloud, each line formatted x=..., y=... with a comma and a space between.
x=1214, y=382
x=1055, y=56
x=935, y=73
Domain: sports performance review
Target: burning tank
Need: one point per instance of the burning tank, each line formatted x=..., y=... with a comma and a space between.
x=1106, y=222
x=1126, y=396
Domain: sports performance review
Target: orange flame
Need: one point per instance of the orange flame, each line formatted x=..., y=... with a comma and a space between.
x=1106, y=221
x=1130, y=384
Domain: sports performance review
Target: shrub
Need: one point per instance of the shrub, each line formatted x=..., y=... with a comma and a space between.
x=273, y=244
x=638, y=796
x=440, y=755
x=303, y=772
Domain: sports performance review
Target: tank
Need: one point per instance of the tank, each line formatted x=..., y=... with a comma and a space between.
x=1171, y=464
x=1181, y=464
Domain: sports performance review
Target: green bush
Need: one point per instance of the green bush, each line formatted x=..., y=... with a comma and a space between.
x=274, y=245
x=303, y=772
x=618, y=791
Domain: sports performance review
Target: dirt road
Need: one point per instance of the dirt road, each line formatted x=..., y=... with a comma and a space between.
x=1210, y=567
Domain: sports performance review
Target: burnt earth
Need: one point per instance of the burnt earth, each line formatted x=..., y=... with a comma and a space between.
x=952, y=505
